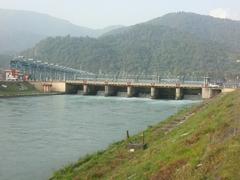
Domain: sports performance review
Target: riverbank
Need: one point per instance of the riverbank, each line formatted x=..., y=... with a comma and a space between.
x=201, y=142
x=20, y=89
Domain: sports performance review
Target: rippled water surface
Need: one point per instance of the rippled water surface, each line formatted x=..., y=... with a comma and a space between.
x=39, y=135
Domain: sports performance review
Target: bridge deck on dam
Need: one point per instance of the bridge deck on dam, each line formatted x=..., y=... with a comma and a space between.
x=137, y=84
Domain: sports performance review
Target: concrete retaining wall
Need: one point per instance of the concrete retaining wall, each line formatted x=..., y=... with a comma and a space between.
x=55, y=86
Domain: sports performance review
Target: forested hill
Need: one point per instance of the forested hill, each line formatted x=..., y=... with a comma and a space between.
x=175, y=44
x=223, y=31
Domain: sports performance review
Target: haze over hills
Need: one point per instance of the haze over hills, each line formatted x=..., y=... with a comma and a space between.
x=20, y=30
x=175, y=44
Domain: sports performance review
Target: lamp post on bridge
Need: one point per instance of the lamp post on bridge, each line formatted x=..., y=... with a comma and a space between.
x=206, y=81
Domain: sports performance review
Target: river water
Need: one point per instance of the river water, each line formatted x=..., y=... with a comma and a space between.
x=39, y=135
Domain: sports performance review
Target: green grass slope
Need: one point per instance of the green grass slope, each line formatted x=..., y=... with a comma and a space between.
x=16, y=89
x=202, y=142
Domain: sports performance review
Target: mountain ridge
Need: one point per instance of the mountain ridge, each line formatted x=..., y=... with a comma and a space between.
x=23, y=29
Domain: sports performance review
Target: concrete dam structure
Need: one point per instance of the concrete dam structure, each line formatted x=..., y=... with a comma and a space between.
x=48, y=77
x=130, y=89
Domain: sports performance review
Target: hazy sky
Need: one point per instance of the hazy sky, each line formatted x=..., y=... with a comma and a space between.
x=101, y=13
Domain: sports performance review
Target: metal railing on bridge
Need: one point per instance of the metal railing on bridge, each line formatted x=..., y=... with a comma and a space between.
x=137, y=79
x=44, y=71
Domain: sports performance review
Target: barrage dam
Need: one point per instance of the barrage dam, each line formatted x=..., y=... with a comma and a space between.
x=48, y=77
x=130, y=89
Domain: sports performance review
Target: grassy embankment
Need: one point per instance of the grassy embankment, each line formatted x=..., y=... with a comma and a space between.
x=14, y=89
x=202, y=142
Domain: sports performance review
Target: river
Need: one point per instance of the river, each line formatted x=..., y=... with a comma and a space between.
x=39, y=135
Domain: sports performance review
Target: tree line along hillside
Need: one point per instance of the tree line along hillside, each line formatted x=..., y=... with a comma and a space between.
x=173, y=45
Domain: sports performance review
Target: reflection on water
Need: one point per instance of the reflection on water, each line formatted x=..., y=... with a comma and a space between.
x=39, y=135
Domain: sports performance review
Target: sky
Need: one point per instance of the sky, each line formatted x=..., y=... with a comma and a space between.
x=102, y=13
